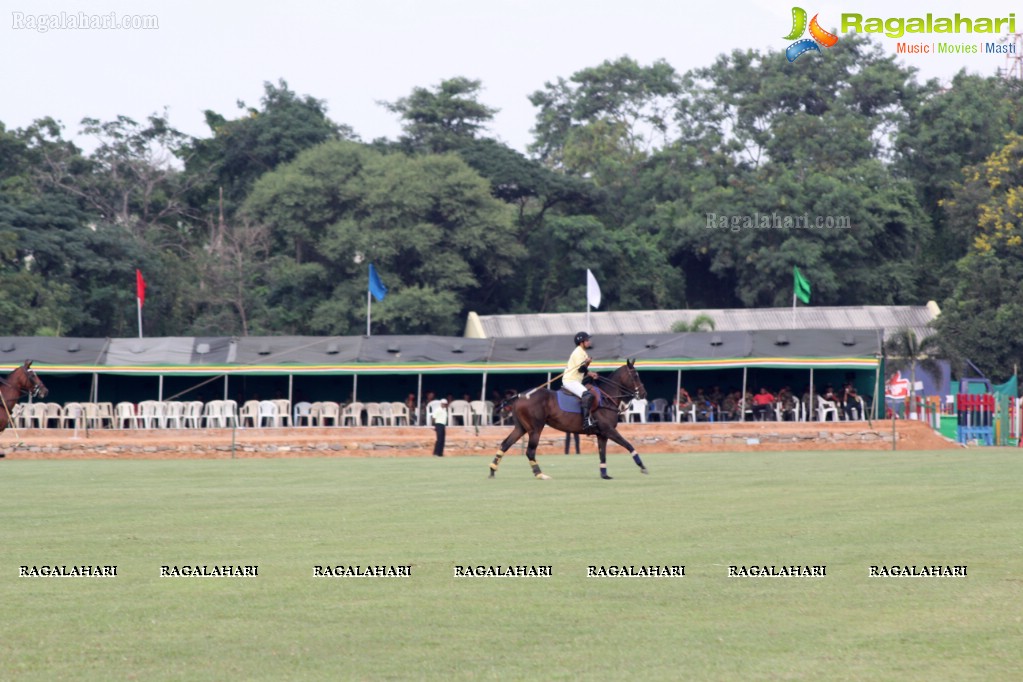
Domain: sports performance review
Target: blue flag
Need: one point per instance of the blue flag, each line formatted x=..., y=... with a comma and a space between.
x=376, y=287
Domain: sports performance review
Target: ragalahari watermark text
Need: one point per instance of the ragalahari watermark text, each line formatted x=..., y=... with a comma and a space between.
x=78, y=21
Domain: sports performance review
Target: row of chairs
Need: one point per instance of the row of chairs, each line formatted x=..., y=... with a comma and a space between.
x=463, y=412
x=172, y=414
x=640, y=410
x=57, y=416
x=376, y=414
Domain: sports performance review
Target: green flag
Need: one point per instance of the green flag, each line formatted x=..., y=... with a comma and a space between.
x=801, y=286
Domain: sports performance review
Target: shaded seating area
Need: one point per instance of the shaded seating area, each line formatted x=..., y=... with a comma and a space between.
x=188, y=382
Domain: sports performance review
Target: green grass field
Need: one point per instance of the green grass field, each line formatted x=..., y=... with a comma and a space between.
x=846, y=510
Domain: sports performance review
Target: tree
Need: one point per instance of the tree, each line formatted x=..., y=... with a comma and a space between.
x=443, y=119
x=980, y=318
x=777, y=147
x=242, y=149
x=619, y=106
x=428, y=223
x=700, y=323
x=950, y=128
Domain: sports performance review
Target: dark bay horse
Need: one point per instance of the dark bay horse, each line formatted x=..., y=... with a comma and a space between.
x=539, y=408
x=22, y=381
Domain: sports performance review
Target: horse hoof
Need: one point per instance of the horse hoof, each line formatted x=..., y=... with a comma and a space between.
x=492, y=472
x=543, y=477
x=606, y=477
x=643, y=471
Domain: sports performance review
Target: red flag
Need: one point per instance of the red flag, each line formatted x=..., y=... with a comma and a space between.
x=140, y=287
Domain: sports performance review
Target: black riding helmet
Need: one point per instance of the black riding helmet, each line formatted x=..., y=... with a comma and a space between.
x=580, y=337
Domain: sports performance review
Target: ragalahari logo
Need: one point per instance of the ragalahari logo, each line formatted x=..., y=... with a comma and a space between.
x=819, y=37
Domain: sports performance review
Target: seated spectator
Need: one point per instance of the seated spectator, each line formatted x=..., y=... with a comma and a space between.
x=810, y=403
x=851, y=404
x=746, y=405
x=410, y=403
x=716, y=396
x=730, y=407
x=684, y=404
x=788, y=404
x=704, y=407
x=763, y=405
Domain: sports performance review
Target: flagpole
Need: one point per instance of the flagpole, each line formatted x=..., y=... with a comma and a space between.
x=369, y=310
x=793, y=307
x=138, y=304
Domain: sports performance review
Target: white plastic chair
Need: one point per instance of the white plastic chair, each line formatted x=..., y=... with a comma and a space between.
x=93, y=420
x=73, y=417
x=459, y=409
x=268, y=412
x=481, y=414
x=106, y=414
x=352, y=413
x=686, y=415
x=18, y=415
x=172, y=414
x=229, y=411
x=373, y=415
x=248, y=414
x=328, y=412
x=54, y=412
x=124, y=416
x=213, y=414
x=192, y=416
x=637, y=408
x=283, y=411
x=150, y=413
x=826, y=407
x=400, y=414
x=302, y=415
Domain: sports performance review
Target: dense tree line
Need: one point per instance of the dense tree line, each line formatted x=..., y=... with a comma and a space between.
x=651, y=178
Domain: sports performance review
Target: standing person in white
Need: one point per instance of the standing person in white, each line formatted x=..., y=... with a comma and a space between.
x=440, y=424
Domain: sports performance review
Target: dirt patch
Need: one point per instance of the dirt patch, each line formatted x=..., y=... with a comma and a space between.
x=418, y=442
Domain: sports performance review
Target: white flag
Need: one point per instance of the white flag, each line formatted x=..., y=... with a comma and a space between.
x=592, y=290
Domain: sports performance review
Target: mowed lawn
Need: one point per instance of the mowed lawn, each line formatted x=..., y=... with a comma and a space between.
x=845, y=510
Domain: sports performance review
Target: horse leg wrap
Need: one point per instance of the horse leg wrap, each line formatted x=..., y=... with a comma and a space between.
x=603, y=471
x=639, y=462
x=496, y=463
x=535, y=467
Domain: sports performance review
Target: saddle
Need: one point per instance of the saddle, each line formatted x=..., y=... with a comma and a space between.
x=570, y=402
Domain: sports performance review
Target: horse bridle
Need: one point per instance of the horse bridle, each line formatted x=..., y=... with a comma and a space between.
x=621, y=400
x=34, y=391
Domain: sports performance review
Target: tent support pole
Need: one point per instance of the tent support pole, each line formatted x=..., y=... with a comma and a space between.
x=742, y=417
x=678, y=392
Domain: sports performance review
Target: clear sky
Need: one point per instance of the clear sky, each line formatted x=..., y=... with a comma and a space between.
x=209, y=55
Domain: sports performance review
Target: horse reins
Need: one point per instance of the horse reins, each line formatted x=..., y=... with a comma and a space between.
x=619, y=399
